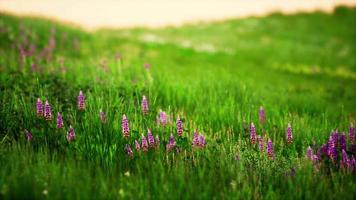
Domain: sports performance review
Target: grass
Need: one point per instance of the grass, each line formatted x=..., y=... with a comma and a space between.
x=215, y=76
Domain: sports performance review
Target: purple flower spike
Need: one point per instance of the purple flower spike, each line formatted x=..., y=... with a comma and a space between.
x=252, y=133
x=262, y=115
x=151, y=139
x=179, y=127
x=352, y=133
x=59, y=120
x=39, y=108
x=144, y=105
x=129, y=150
x=309, y=153
x=29, y=135
x=201, y=141
x=353, y=164
x=195, y=139
x=70, y=134
x=260, y=143
x=144, y=143
x=47, y=111
x=125, y=126
x=102, y=116
x=345, y=162
x=171, y=143
x=331, y=148
x=137, y=146
x=81, y=100
x=289, y=134
x=342, y=141
x=269, y=150
x=162, y=118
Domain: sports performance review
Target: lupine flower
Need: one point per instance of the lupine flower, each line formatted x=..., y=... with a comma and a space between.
x=144, y=105
x=201, y=141
x=47, y=111
x=262, y=115
x=289, y=134
x=309, y=153
x=252, y=133
x=81, y=100
x=144, y=143
x=137, y=146
x=345, y=162
x=331, y=148
x=125, y=126
x=39, y=108
x=179, y=127
x=29, y=135
x=70, y=134
x=157, y=141
x=342, y=141
x=59, y=120
x=269, y=149
x=151, y=139
x=171, y=143
x=352, y=133
x=260, y=142
x=195, y=139
x=162, y=118
x=102, y=116
x=129, y=150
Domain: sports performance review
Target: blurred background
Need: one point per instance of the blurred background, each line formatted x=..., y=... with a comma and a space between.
x=92, y=14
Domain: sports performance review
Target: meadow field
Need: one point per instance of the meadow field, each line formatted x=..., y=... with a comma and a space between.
x=252, y=108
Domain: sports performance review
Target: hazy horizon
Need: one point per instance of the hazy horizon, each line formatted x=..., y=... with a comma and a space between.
x=92, y=14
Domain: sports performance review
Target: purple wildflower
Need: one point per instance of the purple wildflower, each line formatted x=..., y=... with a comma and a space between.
x=262, y=115
x=59, y=120
x=252, y=133
x=345, y=162
x=144, y=105
x=201, y=141
x=309, y=153
x=171, y=143
x=260, y=142
x=289, y=134
x=39, y=108
x=47, y=111
x=70, y=134
x=81, y=100
x=353, y=164
x=162, y=118
x=129, y=150
x=151, y=139
x=144, y=143
x=342, y=141
x=352, y=133
x=195, y=139
x=102, y=116
x=29, y=135
x=269, y=149
x=125, y=126
x=331, y=148
x=137, y=146
x=179, y=127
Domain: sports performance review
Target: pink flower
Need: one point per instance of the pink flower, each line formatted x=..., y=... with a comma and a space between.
x=125, y=126
x=59, y=120
x=39, y=108
x=253, y=133
x=144, y=105
x=47, y=111
x=179, y=127
x=70, y=134
x=289, y=134
x=81, y=100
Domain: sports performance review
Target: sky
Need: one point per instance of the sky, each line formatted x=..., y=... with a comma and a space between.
x=93, y=14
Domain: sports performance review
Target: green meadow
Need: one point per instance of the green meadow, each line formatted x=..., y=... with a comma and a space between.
x=215, y=76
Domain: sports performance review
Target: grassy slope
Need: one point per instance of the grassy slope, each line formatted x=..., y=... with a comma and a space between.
x=301, y=68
